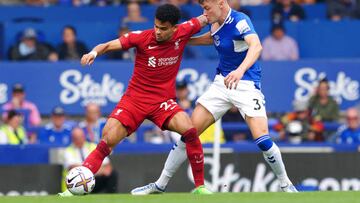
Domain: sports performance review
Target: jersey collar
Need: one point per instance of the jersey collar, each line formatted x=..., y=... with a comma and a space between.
x=228, y=15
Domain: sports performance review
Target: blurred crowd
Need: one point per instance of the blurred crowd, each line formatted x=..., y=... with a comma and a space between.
x=277, y=46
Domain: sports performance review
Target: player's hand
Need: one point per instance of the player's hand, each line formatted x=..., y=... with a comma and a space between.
x=232, y=79
x=88, y=59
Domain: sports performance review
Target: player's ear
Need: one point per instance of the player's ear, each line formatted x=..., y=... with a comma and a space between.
x=175, y=27
x=221, y=3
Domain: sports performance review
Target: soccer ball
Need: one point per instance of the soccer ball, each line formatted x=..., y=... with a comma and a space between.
x=80, y=181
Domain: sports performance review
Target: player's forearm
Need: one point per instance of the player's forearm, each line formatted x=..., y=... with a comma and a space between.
x=252, y=56
x=204, y=39
x=107, y=47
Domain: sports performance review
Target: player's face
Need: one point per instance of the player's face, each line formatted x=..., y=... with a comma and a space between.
x=212, y=10
x=163, y=30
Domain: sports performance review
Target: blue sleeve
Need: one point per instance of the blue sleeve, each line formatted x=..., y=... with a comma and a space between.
x=244, y=26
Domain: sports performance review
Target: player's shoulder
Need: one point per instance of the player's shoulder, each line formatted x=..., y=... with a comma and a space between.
x=139, y=33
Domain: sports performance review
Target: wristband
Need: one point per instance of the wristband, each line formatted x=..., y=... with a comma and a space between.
x=94, y=53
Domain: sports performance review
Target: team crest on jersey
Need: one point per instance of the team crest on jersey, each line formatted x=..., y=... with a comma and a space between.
x=177, y=44
x=216, y=40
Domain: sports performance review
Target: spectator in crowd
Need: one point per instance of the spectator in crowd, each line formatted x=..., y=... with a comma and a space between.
x=12, y=132
x=71, y=48
x=236, y=5
x=30, y=49
x=254, y=2
x=308, y=1
x=133, y=14
x=122, y=54
x=40, y=2
x=233, y=115
x=11, y=2
x=279, y=46
x=18, y=102
x=356, y=13
x=339, y=9
x=93, y=123
x=183, y=13
x=85, y=2
x=350, y=133
x=287, y=10
x=182, y=94
x=322, y=106
x=75, y=154
x=58, y=131
x=298, y=126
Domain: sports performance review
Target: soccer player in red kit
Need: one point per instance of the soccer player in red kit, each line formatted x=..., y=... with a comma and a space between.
x=151, y=90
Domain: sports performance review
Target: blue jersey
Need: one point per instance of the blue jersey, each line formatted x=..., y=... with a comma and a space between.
x=231, y=46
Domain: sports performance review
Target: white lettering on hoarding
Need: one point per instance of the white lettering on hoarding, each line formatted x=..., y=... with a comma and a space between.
x=79, y=87
x=198, y=83
x=343, y=88
x=3, y=93
x=232, y=181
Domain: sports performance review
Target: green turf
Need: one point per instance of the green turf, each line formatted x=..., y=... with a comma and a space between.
x=313, y=197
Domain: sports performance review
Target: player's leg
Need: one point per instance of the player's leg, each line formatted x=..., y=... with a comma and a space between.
x=251, y=104
x=259, y=129
x=181, y=123
x=113, y=133
x=201, y=119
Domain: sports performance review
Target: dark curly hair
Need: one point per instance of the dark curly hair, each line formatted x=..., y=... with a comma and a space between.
x=168, y=13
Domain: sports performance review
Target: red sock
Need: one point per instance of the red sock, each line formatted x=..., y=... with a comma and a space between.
x=96, y=157
x=195, y=155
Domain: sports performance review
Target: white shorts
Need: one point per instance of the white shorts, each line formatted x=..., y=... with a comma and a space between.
x=218, y=99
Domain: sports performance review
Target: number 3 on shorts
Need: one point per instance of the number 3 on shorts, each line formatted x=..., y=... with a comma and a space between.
x=258, y=106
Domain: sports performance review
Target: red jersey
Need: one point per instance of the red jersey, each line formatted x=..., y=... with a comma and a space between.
x=157, y=64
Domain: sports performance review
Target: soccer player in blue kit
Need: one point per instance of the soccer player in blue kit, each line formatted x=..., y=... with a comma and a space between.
x=237, y=83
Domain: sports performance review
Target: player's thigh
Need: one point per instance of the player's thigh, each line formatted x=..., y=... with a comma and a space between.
x=258, y=126
x=249, y=100
x=113, y=132
x=180, y=123
x=202, y=118
x=215, y=100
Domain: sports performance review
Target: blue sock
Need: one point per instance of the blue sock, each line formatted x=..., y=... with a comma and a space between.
x=264, y=142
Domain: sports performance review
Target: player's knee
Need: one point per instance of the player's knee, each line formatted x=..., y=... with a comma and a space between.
x=190, y=135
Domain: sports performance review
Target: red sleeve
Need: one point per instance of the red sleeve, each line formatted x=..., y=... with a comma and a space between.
x=130, y=39
x=191, y=27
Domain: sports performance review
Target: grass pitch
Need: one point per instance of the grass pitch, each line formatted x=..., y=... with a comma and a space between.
x=315, y=197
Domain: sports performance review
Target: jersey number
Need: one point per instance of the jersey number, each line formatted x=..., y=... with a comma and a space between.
x=258, y=106
x=168, y=104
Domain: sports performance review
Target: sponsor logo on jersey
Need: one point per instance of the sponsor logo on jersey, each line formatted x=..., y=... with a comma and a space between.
x=153, y=62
